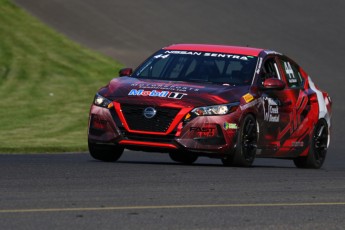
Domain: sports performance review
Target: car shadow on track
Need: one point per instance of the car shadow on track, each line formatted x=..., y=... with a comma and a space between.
x=216, y=165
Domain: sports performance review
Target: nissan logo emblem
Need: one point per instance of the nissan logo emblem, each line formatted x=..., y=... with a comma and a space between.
x=149, y=112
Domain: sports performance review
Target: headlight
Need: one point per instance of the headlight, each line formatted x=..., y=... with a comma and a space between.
x=215, y=109
x=101, y=101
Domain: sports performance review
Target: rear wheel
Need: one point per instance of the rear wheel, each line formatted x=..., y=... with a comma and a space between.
x=318, y=148
x=109, y=153
x=183, y=157
x=246, y=144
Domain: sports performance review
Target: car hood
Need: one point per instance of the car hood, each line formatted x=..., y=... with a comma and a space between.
x=170, y=93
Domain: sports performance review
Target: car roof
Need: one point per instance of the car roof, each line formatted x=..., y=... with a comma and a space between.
x=216, y=48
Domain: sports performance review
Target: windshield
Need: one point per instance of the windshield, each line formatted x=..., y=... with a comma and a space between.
x=190, y=66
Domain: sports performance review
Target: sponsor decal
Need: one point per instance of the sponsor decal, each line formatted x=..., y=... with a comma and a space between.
x=156, y=93
x=221, y=55
x=271, y=109
x=226, y=56
x=206, y=131
x=248, y=105
x=187, y=116
x=161, y=56
x=227, y=126
x=298, y=144
x=202, y=129
x=248, y=97
x=165, y=87
x=184, y=52
x=289, y=72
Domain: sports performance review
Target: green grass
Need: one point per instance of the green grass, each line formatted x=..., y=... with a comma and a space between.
x=47, y=83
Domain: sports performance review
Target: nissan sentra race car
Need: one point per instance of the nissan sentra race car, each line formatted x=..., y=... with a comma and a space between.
x=226, y=102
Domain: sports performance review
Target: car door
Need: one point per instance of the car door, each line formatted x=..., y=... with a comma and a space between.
x=293, y=137
x=275, y=110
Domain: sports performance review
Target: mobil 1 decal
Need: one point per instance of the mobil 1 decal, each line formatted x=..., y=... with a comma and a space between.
x=156, y=93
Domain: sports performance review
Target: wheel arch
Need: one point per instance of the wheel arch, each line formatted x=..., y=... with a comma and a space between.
x=328, y=127
x=256, y=120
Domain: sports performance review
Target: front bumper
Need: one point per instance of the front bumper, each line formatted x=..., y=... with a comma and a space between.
x=205, y=135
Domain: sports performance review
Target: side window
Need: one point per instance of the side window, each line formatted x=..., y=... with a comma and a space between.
x=269, y=70
x=293, y=76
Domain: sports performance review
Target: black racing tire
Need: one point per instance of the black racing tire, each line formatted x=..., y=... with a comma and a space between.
x=108, y=153
x=245, y=152
x=183, y=157
x=318, y=147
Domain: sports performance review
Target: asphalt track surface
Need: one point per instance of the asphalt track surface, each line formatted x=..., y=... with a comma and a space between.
x=148, y=190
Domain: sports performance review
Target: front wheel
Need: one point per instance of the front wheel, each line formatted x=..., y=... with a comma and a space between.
x=318, y=148
x=108, y=153
x=183, y=157
x=246, y=144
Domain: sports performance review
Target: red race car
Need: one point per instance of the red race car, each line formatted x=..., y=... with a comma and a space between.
x=226, y=102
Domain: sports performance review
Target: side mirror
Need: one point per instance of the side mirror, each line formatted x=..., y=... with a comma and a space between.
x=273, y=83
x=125, y=72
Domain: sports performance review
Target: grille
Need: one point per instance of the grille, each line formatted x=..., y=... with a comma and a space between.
x=147, y=137
x=159, y=123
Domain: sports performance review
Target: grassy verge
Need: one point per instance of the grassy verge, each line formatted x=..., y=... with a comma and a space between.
x=47, y=83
